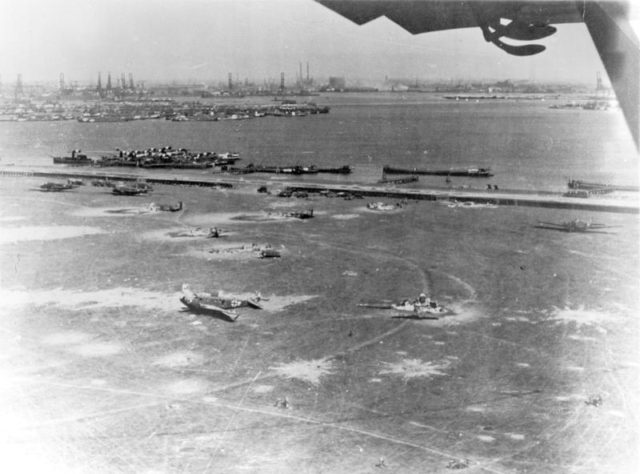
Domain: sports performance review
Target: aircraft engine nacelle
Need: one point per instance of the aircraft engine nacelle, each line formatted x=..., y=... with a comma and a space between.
x=522, y=31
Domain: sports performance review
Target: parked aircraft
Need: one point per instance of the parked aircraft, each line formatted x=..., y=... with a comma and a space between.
x=575, y=225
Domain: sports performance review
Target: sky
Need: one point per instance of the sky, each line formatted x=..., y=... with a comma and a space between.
x=204, y=40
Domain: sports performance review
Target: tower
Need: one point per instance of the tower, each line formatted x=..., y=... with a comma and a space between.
x=99, y=86
x=599, y=86
x=61, y=82
x=108, y=82
x=282, y=82
x=131, y=84
x=19, y=91
x=230, y=82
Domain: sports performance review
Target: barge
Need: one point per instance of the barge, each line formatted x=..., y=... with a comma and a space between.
x=468, y=172
x=598, y=187
x=295, y=169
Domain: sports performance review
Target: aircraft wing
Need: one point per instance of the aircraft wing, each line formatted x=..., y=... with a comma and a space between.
x=422, y=16
x=186, y=290
x=525, y=20
x=550, y=224
x=602, y=226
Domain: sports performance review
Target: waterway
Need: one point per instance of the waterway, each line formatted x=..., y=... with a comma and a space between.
x=527, y=144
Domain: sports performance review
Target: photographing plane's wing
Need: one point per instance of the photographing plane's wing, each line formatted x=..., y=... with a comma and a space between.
x=422, y=16
x=619, y=50
x=414, y=16
x=524, y=20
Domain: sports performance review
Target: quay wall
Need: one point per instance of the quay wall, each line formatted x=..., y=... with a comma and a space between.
x=114, y=177
x=544, y=199
x=547, y=200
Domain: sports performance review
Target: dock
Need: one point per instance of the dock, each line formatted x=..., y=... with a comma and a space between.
x=543, y=199
x=548, y=200
x=391, y=181
x=84, y=173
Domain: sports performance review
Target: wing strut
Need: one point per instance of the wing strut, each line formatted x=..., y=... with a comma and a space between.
x=619, y=50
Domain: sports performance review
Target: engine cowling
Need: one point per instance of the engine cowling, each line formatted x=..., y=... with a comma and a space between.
x=518, y=30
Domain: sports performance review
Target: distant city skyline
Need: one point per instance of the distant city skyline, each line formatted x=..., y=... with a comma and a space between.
x=291, y=82
x=199, y=40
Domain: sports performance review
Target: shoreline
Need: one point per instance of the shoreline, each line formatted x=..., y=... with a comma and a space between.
x=525, y=198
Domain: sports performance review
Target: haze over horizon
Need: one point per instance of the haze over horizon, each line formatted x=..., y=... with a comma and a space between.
x=201, y=40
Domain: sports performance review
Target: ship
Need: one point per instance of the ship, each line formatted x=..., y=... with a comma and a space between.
x=475, y=97
x=291, y=169
x=177, y=165
x=599, y=187
x=167, y=157
x=228, y=158
x=76, y=159
x=468, y=172
x=346, y=169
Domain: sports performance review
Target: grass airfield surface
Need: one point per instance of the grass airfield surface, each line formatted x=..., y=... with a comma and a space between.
x=103, y=370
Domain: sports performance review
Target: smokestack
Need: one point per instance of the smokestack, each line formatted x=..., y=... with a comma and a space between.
x=19, y=90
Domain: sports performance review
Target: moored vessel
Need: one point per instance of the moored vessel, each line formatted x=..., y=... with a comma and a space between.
x=468, y=172
x=76, y=159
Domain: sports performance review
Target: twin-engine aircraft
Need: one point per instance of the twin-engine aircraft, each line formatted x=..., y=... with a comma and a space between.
x=575, y=225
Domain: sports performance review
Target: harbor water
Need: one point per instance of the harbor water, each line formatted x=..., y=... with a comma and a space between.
x=525, y=143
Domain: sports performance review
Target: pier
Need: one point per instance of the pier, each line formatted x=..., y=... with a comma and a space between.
x=544, y=199
x=84, y=174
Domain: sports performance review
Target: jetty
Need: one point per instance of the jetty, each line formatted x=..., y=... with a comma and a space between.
x=544, y=199
x=90, y=174
x=408, y=179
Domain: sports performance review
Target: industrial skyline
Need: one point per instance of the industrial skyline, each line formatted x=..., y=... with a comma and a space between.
x=107, y=85
x=194, y=40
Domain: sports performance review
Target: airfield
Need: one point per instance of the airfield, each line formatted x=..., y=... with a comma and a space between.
x=104, y=371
